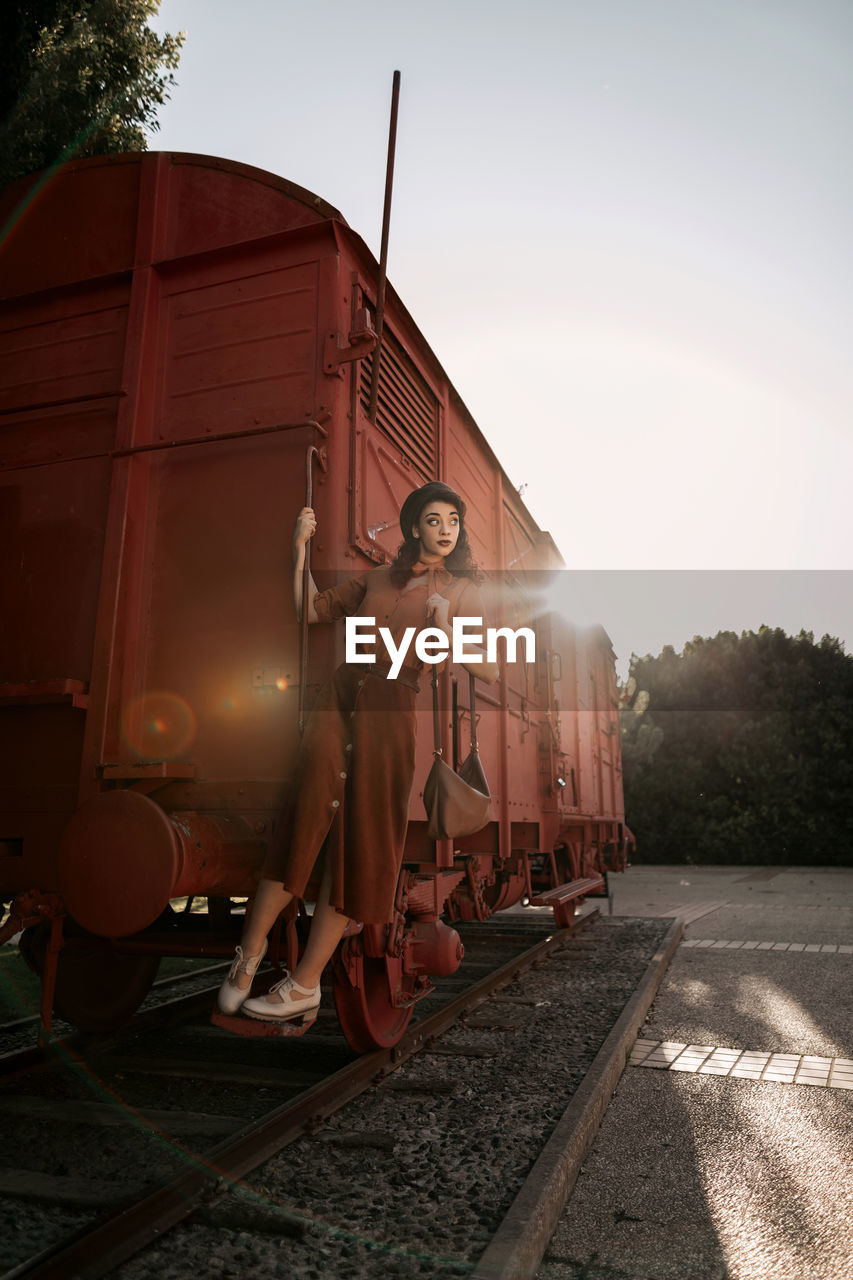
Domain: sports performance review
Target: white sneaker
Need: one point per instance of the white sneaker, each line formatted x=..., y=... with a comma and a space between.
x=284, y=1008
x=231, y=997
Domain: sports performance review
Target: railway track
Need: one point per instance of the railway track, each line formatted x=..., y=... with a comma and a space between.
x=157, y=1012
x=143, y=1089
x=15, y=1025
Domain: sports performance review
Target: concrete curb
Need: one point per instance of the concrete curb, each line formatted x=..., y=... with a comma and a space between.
x=522, y=1238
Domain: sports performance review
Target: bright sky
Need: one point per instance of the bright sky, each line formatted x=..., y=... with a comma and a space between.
x=625, y=229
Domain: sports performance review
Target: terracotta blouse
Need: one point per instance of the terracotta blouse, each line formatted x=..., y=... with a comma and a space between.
x=373, y=595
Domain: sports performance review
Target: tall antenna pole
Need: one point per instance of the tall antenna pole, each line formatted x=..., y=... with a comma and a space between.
x=383, y=252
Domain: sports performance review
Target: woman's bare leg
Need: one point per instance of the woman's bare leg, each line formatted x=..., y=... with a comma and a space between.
x=267, y=905
x=327, y=929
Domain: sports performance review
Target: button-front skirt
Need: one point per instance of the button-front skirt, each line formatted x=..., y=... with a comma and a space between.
x=352, y=783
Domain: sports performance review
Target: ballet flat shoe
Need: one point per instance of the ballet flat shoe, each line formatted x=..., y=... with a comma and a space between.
x=230, y=998
x=308, y=1001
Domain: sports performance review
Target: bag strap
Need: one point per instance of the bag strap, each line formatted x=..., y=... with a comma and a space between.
x=472, y=696
x=437, y=749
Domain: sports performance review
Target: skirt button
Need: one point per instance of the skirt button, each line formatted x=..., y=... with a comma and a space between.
x=336, y=804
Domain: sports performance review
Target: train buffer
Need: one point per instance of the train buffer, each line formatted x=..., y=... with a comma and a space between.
x=564, y=897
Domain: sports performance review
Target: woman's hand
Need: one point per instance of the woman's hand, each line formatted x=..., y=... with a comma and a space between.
x=306, y=524
x=438, y=608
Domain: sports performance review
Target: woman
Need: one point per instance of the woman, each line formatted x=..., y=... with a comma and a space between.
x=356, y=765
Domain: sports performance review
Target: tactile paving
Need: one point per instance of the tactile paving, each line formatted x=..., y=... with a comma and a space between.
x=723, y=944
x=743, y=1064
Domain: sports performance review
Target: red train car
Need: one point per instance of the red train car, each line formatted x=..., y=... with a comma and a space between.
x=186, y=357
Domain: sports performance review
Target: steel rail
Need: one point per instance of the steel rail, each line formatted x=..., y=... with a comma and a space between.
x=129, y=1230
x=36, y=1056
x=18, y=1024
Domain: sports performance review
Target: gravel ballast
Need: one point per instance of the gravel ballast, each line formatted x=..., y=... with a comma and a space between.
x=412, y=1178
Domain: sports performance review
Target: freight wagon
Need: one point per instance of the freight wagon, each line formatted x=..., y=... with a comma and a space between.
x=188, y=349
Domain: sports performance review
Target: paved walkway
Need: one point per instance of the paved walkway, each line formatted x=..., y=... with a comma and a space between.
x=727, y=1150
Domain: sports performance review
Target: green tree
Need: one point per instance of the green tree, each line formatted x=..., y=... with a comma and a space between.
x=79, y=78
x=737, y=750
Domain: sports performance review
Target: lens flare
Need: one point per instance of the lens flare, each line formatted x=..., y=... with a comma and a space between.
x=158, y=726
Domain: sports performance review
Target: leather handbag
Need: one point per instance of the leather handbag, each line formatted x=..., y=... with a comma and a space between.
x=457, y=804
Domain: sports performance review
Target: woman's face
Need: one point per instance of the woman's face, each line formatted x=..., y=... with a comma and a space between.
x=437, y=529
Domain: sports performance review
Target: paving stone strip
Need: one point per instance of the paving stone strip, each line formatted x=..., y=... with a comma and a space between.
x=691, y=911
x=749, y=1064
x=723, y=944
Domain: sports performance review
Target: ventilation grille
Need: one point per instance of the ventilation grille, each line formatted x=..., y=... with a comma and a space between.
x=406, y=408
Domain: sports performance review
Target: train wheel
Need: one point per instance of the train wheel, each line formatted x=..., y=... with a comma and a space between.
x=368, y=1018
x=97, y=987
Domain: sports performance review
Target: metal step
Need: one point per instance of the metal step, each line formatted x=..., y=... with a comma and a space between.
x=562, y=898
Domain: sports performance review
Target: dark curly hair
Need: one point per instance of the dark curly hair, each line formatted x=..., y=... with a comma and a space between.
x=460, y=562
